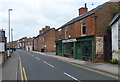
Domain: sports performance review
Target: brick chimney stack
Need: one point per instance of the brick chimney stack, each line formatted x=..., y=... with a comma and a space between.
x=43, y=30
x=47, y=28
x=83, y=9
x=40, y=31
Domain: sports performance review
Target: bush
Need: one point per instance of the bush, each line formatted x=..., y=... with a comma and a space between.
x=114, y=61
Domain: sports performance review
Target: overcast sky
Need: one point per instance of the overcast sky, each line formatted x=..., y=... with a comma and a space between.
x=29, y=16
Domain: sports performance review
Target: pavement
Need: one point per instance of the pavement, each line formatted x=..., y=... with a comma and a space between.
x=10, y=68
x=109, y=68
x=0, y=73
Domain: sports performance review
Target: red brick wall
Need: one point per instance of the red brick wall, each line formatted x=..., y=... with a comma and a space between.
x=75, y=29
x=50, y=40
x=104, y=16
x=82, y=10
x=36, y=44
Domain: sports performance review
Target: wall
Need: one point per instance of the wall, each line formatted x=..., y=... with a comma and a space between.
x=50, y=40
x=115, y=40
x=99, y=48
x=74, y=30
x=104, y=17
x=2, y=47
x=36, y=44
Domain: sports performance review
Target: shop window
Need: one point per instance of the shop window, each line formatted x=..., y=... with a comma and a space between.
x=59, y=48
x=68, y=48
x=86, y=49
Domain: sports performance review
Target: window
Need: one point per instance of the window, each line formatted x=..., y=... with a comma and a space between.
x=84, y=28
x=59, y=34
x=66, y=32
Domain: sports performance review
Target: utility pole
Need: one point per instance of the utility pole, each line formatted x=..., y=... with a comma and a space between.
x=12, y=38
x=9, y=29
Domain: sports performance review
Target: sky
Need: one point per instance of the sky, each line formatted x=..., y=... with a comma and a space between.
x=30, y=16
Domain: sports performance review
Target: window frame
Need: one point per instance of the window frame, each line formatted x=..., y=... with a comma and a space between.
x=83, y=24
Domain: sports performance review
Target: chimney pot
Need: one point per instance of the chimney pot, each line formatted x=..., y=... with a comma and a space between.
x=85, y=5
x=83, y=10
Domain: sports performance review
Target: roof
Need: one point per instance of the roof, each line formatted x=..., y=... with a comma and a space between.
x=116, y=17
x=83, y=15
x=29, y=40
x=42, y=34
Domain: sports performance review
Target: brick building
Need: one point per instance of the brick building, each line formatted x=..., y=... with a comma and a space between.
x=29, y=44
x=45, y=41
x=21, y=43
x=83, y=36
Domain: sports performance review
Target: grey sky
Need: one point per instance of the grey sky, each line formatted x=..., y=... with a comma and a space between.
x=29, y=16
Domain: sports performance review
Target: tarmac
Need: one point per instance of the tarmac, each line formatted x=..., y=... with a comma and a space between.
x=10, y=68
x=104, y=67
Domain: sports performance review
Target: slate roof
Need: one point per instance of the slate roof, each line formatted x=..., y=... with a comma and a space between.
x=42, y=34
x=83, y=15
x=117, y=16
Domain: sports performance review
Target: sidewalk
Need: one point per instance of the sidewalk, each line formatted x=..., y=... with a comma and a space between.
x=0, y=73
x=10, y=68
x=109, y=68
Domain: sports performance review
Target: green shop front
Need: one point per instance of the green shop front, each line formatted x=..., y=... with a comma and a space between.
x=78, y=48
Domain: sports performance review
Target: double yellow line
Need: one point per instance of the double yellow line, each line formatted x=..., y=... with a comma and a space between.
x=100, y=72
x=22, y=72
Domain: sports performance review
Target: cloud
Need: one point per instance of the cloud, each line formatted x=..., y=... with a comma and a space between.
x=29, y=16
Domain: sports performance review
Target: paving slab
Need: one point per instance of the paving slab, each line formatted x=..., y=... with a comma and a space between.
x=10, y=68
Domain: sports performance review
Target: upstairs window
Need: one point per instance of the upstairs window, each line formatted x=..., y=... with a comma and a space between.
x=59, y=33
x=66, y=33
x=84, y=28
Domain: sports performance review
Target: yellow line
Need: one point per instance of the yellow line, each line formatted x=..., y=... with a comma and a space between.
x=103, y=73
x=21, y=72
x=25, y=75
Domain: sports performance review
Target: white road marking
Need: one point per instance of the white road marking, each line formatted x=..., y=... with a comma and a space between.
x=48, y=64
x=38, y=58
x=71, y=76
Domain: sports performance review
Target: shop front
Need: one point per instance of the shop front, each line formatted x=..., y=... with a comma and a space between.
x=78, y=48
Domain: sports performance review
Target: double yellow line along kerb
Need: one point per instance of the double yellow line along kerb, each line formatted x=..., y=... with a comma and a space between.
x=22, y=72
x=100, y=72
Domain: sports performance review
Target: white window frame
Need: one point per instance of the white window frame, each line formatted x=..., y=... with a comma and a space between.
x=82, y=28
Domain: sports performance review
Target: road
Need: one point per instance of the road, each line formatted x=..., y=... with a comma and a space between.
x=40, y=67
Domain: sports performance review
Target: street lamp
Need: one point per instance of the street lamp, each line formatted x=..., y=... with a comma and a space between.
x=9, y=27
x=12, y=38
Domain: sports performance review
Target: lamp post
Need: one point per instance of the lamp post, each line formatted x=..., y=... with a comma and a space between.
x=12, y=38
x=9, y=28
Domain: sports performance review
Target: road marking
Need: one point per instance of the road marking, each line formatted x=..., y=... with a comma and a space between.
x=48, y=64
x=38, y=58
x=25, y=76
x=71, y=76
x=100, y=72
x=21, y=71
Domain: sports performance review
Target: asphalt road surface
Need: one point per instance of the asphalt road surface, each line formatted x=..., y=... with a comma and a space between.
x=40, y=67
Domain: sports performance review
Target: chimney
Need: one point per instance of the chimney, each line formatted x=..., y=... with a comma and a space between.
x=83, y=9
x=43, y=30
x=40, y=31
x=47, y=28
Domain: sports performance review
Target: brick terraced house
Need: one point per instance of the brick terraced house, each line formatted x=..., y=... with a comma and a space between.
x=83, y=37
x=29, y=44
x=45, y=41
